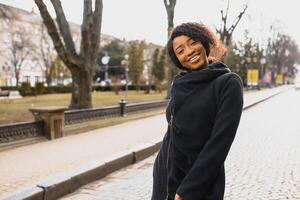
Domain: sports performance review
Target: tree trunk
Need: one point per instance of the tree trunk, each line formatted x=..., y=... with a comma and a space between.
x=170, y=63
x=170, y=7
x=80, y=64
x=82, y=90
x=48, y=80
x=17, y=81
x=17, y=77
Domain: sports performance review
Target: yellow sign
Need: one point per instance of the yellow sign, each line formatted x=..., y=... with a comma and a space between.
x=279, y=79
x=2, y=82
x=252, y=77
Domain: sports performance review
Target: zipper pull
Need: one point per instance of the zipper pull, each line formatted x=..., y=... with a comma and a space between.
x=171, y=121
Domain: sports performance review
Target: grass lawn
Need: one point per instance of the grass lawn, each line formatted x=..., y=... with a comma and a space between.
x=12, y=111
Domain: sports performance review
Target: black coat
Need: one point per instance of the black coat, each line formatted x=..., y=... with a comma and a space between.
x=203, y=116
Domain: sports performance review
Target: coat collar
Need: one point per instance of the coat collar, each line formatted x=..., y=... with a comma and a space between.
x=195, y=77
x=186, y=83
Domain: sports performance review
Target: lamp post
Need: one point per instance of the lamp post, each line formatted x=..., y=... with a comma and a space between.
x=125, y=64
x=126, y=74
x=262, y=62
x=105, y=60
x=61, y=75
x=123, y=100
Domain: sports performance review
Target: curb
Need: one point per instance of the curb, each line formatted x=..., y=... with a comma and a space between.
x=260, y=101
x=66, y=183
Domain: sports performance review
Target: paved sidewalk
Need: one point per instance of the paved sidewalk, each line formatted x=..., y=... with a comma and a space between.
x=263, y=162
x=27, y=166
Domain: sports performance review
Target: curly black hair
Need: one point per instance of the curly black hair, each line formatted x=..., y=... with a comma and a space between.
x=198, y=32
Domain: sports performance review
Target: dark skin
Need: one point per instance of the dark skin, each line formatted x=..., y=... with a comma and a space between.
x=192, y=56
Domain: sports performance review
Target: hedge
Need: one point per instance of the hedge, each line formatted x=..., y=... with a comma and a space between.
x=26, y=90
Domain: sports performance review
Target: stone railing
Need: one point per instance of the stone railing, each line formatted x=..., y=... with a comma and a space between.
x=50, y=121
x=19, y=131
x=141, y=107
x=79, y=116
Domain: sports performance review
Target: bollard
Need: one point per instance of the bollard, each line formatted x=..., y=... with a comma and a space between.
x=122, y=108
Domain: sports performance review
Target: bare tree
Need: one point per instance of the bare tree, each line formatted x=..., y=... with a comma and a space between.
x=170, y=7
x=18, y=48
x=80, y=64
x=45, y=54
x=226, y=32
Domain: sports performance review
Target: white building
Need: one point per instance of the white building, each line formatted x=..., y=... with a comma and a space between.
x=15, y=24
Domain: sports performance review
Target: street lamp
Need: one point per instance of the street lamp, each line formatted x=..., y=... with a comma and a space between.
x=123, y=101
x=262, y=62
x=61, y=75
x=125, y=64
x=105, y=60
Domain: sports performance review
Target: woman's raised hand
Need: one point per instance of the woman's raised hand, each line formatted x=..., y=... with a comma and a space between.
x=177, y=197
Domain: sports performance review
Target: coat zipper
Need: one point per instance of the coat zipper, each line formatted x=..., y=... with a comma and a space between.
x=169, y=145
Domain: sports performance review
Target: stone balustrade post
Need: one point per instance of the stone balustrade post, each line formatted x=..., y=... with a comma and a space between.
x=54, y=120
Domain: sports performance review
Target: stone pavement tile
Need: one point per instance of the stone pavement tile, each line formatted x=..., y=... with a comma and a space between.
x=261, y=165
x=38, y=162
x=26, y=166
x=140, y=173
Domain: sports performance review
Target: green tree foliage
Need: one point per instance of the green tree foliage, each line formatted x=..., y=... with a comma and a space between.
x=233, y=58
x=115, y=51
x=159, y=67
x=136, y=61
x=245, y=55
x=283, y=54
x=279, y=57
x=39, y=88
x=25, y=89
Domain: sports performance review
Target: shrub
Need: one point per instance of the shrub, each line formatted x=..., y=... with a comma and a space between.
x=25, y=89
x=39, y=88
x=58, y=89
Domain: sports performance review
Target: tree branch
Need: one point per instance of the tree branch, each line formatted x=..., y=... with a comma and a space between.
x=170, y=6
x=228, y=2
x=64, y=26
x=85, y=30
x=96, y=28
x=97, y=16
x=65, y=56
x=237, y=20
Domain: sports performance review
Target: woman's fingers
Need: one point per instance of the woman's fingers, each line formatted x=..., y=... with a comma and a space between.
x=177, y=197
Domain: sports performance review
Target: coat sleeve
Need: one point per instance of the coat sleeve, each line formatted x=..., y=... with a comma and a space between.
x=211, y=158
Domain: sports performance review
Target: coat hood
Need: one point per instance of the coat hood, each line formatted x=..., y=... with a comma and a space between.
x=193, y=78
x=187, y=82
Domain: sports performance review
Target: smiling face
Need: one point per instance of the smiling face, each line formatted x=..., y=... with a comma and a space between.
x=191, y=54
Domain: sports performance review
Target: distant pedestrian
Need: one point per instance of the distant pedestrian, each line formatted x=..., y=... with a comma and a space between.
x=203, y=115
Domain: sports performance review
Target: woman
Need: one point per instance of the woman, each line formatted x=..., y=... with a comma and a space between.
x=203, y=116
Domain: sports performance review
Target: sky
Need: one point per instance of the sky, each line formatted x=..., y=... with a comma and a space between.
x=147, y=19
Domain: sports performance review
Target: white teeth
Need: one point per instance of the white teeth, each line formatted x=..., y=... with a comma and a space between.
x=194, y=58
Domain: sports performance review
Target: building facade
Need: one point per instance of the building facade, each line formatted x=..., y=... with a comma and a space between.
x=25, y=47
